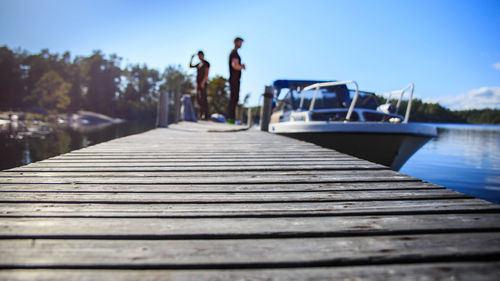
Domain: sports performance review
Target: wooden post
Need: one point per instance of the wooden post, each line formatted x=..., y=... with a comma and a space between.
x=265, y=111
x=249, y=118
x=177, y=107
x=239, y=112
x=162, y=112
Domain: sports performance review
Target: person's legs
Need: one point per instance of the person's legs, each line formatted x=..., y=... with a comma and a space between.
x=204, y=103
x=235, y=96
x=198, y=101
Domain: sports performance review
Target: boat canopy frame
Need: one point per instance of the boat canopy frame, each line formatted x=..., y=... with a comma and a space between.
x=316, y=86
x=328, y=84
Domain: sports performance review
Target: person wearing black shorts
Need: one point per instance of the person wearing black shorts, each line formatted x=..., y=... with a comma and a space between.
x=235, y=67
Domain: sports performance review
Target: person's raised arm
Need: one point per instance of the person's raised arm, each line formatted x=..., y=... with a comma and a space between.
x=191, y=62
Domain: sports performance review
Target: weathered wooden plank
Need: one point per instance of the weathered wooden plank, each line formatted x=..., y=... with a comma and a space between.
x=149, y=228
x=221, y=172
x=203, y=167
x=235, y=188
x=180, y=157
x=223, y=253
x=196, y=151
x=210, y=198
x=356, y=208
x=458, y=271
x=209, y=150
x=195, y=180
x=203, y=149
x=194, y=160
x=205, y=177
x=270, y=163
x=215, y=143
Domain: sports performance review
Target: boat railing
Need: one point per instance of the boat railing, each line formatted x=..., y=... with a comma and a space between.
x=401, y=94
x=329, y=84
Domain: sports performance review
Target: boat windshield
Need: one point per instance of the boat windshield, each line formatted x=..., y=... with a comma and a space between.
x=327, y=97
x=365, y=100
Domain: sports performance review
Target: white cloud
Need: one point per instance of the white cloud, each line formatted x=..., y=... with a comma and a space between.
x=485, y=97
x=496, y=65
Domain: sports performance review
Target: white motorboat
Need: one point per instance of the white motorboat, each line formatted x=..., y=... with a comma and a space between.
x=349, y=121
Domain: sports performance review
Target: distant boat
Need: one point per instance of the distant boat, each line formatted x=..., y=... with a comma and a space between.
x=349, y=121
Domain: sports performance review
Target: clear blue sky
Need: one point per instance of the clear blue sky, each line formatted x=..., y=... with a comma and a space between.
x=449, y=49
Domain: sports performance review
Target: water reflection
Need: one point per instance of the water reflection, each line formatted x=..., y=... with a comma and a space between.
x=18, y=148
x=26, y=154
x=463, y=157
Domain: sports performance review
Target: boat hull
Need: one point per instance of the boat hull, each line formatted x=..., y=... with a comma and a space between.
x=390, y=150
x=383, y=143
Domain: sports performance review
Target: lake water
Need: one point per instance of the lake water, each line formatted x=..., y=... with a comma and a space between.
x=16, y=150
x=465, y=158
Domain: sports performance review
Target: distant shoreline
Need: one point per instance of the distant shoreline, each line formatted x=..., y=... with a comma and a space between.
x=33, y=124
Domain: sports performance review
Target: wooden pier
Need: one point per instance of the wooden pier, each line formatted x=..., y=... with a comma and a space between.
x=192, y=202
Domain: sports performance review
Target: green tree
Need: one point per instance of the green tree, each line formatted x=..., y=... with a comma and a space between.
x=426, y=112
x=103, y=78
x=11, y=79
x=176, y=80
x=484, y=116
x=77, y=80
x=218, y=94
x=144, y=81
x=51, y=92
x=37, y=65
x=138, y=100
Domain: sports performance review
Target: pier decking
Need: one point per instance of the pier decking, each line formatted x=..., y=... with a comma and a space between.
x=185, y=203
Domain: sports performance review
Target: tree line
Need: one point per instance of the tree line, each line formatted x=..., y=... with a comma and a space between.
x=435, y=113
x=51, y=83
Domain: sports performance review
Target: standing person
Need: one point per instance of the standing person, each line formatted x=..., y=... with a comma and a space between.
x=201, y=84
x=235, y=67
